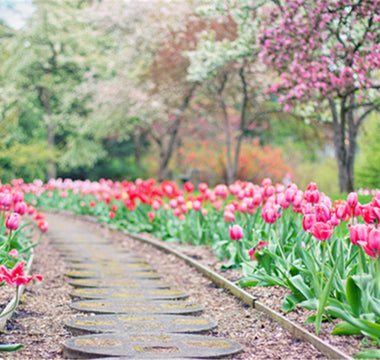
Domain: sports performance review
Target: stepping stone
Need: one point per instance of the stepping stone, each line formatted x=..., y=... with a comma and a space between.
x=117, y=293
x=75, y=258
x=88, y=274
x=139, y=323
x=111, y=266
x=137, y=307
x=149, y=346
x=121, y=283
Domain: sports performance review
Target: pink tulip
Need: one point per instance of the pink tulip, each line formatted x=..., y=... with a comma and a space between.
x=155, y=205
x=352, y=199
x=252, y=251
x=229, y=216
x=151, y=215
x=20, y=207
x=308, y=221
x=322, y=212
x=13, y=253
x=312, y=196
x=322, y=231
x=173, y=203
x=374, y=241
x=236, y=232
x=202, y=187
x=204, y=212
x=13, y=221
x=197, y=205
x=358, y=233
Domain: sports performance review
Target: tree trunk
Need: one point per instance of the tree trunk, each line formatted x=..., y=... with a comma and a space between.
x=51, y=168
x=230, y=173
x=243, y=112
x=345, y=138
x=166, y=153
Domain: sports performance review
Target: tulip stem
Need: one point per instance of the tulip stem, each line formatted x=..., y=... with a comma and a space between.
x=323, y=245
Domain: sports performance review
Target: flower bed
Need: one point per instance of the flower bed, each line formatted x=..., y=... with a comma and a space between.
x=325, y=253
x=16, y=249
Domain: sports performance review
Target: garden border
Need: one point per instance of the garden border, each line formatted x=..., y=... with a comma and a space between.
x=3, y=321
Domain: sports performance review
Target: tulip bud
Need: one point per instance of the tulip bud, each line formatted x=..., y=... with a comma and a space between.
x=13, y=221
x=236, y=232
x=352, y=199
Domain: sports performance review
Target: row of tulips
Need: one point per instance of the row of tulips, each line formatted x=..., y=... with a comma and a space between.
x=16, y=242
x=327, y=253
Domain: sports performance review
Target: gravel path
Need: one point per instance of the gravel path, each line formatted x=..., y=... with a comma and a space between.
x=38, y=321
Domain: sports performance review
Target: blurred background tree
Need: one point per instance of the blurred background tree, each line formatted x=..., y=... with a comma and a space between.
x=368, y=164
x=122, y=90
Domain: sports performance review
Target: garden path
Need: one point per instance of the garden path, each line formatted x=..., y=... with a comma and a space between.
x=148, y=314
x=46, y=320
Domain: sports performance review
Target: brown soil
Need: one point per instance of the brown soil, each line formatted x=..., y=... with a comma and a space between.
x=39, y=320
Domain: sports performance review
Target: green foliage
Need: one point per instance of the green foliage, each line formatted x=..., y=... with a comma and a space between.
x=27, y=161
x=308, y=168
x=368, y=161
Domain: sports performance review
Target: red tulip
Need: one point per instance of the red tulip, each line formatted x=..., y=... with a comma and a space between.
x=16, y=276
x=189, y=187
x=202, y=187
x=43, y=225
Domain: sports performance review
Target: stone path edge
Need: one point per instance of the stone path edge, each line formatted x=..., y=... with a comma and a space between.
x=328, y=350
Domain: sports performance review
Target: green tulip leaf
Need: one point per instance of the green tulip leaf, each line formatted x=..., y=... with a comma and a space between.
x=10, y=347
x=354, y=296
x=375, y=305
x=323, y=299
x=370, y=354
x=345, y=328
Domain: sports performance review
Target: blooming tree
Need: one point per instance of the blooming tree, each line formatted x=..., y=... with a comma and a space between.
x=327, y=53
x=224, y=62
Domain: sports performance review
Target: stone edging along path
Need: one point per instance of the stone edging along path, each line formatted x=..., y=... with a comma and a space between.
x=138, y=319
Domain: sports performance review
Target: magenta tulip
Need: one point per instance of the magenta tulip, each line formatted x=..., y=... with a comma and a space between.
x=236, y=232
x=13, y=221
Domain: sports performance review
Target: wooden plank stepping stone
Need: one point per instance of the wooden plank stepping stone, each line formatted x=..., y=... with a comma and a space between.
x=149, y=346
x=117, y=293
x=139, y=323
x=121, y=283
x=138, y=307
